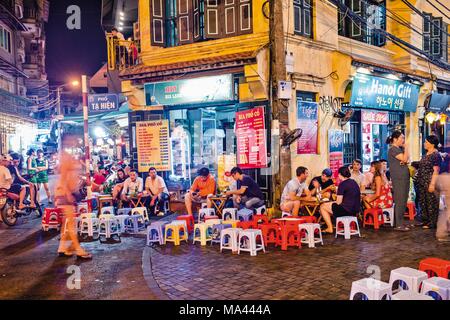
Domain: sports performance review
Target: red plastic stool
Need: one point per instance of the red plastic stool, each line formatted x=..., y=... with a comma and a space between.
x=189, y=221
x=246, y=224
x=289, y=236
x=435, y=267
x=260, y=219
x=373, y=217
x=270, y=232
x=52, y=218
x=411, y=210
x=310, y=219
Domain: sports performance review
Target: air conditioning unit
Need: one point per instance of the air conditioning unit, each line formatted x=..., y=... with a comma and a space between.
x=19, y=11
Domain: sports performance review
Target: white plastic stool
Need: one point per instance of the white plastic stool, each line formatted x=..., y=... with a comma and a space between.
x=437, y=288
x=211, y=222
x=108, y=227
x=135, y=223
x=142, y=211
x=388, y=214
x=310, y=238
x=124, y=211
x=407, y=279
x=229, y=239
x=158, y=234
x=347, y=232
x=205, y=212
x=121, y=219
x=250, y=245
x=107, y=210
x=203, y=236
x=370, y=289
x=229, y=214
x=204, y=205
x=286, y=214
x=410, y=295
x=261, y=210
x=89, y=226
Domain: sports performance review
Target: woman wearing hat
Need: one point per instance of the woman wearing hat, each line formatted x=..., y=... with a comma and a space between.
x=427, y=175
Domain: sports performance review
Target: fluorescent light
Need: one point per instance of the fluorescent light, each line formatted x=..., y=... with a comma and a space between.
x=363, y=70
x=121, y=23
x=121, y=13
x=120, y=29
x=392, y=76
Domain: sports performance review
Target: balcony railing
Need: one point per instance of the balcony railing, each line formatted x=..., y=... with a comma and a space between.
x=122, y=54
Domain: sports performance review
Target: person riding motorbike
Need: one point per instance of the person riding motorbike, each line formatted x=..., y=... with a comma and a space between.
x=6, y=179
x=20, y=184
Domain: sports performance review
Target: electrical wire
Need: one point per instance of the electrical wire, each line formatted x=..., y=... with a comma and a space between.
x=424, y=17
x=442, y=5
x=438, y=9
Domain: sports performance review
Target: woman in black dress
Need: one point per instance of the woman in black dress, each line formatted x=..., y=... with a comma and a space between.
x=427, y=175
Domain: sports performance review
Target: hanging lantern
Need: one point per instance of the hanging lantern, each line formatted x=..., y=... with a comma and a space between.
x=430, y=117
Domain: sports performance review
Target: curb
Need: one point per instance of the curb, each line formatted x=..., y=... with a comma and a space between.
x=148, y=275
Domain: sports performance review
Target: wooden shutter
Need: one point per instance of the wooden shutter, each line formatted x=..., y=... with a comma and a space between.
x=245, y=16
x=356, y=30
x=230, y=23
x=197, y=35
x=213, y=10
x=185, y=21
x=157, y=21
x=436, y=37
x=427, y=33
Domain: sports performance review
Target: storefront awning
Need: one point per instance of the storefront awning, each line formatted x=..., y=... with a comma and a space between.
x=438, y=102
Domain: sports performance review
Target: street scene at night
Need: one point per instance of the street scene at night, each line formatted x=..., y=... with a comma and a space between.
x=239, y=152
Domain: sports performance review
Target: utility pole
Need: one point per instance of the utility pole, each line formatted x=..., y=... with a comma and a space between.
x=280, y=107
x=87, y=152
x=58, y=97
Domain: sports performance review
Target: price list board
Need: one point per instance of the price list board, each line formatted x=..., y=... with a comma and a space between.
x=153, y=145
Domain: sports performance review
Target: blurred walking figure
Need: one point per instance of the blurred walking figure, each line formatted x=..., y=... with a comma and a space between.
x=443, y=223
x=66, y=197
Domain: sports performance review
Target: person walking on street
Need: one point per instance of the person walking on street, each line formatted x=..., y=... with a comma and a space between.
x=398, y=157
x=42, y=174
x=427, y=175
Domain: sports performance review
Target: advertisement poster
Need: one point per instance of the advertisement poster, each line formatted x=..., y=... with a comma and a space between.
x=225, y=163
x=375, y=117
x=307, y=113
x=251, y=139
x=336, y=150
x=153, y=145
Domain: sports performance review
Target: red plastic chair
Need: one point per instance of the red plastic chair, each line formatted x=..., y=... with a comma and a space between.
x=189, y=221
x=50, y=213
x=373, y=217
x=247, y=224
x=411, y=211
x=270, y=232
x=289, y=235
x=435, y=267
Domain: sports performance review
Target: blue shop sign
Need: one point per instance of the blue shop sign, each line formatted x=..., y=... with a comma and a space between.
x=103, y=102
x=381, y=93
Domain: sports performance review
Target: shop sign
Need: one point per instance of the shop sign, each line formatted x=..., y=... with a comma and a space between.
x=380, y=93
x=375, y=117
x=199, y=90
x=103, y=102
x=153, y=149
x=336, y=150
x=251, y=139
x=307, y=120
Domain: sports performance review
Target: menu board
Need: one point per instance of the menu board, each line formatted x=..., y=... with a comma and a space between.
x=152, y=139
x=251, y=139
x=307, y=121
x=336, y=150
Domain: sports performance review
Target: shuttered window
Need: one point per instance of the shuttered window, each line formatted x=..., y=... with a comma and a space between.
x=178, y=22
x=303, y=18
x=435, y=37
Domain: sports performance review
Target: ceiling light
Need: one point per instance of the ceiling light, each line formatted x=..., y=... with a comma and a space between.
x=363, y=70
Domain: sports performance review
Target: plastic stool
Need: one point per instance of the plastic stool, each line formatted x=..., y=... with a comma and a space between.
x=214, y=219
x=437, y=288
x=233, y=223
x=155, y=232
x=309, y=230
x=204, y=236
x=246, y=225
x=204, y=205
x=124, y=211
x=229, y=239
x=270, y=233
x=142, y=211
x=289, y=235
x=373, y=217
x=410, y=295
x=107, y=210
x=189, y=221
x=407, y=279
x=176, y=229
x=205, y=212
x=245, y=214
x=435, y=267
x=229, y=214
x=260, y=218
x=135, y=223
x=388, y=214
x=261, y=210
x=52, y=219
x=108, y=227
x=346, y=229
x=286, y=214
x=370, y=289
x=82, y=208
x=217, y=230
x=102, y=200
x=89, y=226
x=411, y=211
x=121, y=219
x=247, y=241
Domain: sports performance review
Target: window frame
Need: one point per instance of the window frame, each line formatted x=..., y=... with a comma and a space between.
x=300, y=9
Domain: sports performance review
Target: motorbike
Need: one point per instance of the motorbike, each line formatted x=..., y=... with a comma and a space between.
x=9, y=207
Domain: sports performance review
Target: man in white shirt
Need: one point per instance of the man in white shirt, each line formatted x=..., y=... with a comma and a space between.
x=132, y=187
x=6, y=179
x=292, y=194
x=357, y=175
x=157, y=189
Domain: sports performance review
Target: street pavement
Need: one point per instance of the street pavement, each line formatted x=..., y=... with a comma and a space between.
x=30, y=268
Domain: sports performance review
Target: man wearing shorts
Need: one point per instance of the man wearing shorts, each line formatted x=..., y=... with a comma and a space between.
x=292, y=193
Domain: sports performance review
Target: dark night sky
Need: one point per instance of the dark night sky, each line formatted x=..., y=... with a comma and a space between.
x=71, y=53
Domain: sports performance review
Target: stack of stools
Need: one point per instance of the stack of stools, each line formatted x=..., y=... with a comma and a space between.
x=388, y=215
x=270, y=233
x=52, y=219
x=229, y=214
x=124, y=211
x=344, y=227
x=201, y=233
x=261, y=210
x=142, y=211
x=205, y=212
x=155, y=232
x=307, y=234
x=135, y=223
x=108, y=227
x=189, y=221
x=435, y=267
x=173, y=231
x=229, y=239
x=411, y=211
x=289, y=235
x=122, y=220
x=370, y=289
x=373, y=217
x=89, y=225
x=437, y=288
x=407, y=279
x=247, y=241
x=245, y=215
x=217, y=230
x=260, y=219
x=107, y=211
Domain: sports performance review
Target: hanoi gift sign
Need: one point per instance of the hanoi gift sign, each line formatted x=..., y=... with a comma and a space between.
x=381, y=93
x=198, y=90
x=103, y=102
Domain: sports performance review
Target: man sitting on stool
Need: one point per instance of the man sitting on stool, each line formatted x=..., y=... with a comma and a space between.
x=291, y=198
x=204, y=186
x=159, y=195
x=248, y=192
x=132, y=187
